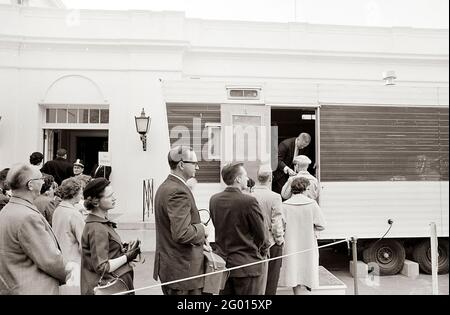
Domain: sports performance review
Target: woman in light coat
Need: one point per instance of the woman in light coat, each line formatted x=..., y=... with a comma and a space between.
x=303, y=217
x=68, y=225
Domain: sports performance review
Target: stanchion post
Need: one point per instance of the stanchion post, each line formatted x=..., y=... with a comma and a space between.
x=434, y=258
x=355, y=264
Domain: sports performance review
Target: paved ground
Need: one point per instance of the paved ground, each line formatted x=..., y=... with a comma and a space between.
x=335, y=262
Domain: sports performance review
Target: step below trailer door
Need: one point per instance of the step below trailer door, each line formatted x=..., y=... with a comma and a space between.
x=246, y=136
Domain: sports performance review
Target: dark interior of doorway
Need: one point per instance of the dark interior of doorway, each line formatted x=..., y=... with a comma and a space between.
x=293, y=121
x=82, y=144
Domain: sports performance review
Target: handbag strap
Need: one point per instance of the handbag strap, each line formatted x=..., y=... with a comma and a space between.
x=101, y=278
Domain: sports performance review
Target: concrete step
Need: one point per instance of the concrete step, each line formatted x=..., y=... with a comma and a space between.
x=329, y=284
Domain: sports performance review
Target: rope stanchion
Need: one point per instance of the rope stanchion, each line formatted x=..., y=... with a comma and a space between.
x=227, y=269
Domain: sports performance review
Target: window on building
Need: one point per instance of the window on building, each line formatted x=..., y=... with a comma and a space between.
x=70, y=114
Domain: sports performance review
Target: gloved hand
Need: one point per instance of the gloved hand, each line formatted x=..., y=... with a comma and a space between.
x=133, y=251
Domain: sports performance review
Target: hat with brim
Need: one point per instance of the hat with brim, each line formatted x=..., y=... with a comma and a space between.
x=78, y=162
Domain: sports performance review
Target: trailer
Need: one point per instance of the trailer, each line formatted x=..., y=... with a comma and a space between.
x=381, y=158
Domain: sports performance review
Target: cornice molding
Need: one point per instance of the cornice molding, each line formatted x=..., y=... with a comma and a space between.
x=147, y=45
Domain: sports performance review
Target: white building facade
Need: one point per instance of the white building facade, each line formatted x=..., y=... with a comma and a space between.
x=114, y=63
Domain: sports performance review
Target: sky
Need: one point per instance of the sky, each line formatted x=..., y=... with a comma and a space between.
x=386, y=13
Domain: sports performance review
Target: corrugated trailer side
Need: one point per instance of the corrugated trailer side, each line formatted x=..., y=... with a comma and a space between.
x=381, y=162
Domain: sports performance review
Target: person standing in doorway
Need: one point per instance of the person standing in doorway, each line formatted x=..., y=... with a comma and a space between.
x=180, y=235
x=59, y=168
x=287, y=151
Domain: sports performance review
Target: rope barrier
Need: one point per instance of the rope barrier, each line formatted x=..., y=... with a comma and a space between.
x=228, y=269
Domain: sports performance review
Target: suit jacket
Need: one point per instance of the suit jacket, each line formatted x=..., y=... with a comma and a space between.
x=59, y=168
x=286, y=150
x=240, y=231
x=272, y=208
x=30, y=258
x=179, y=236
x=102, y=171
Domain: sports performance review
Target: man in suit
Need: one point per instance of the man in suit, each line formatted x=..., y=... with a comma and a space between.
x=272, y=208
x=287, y=151
x=180, y=235
x=240, y=233
x=31, y=261
x=101, y=171
x=59, y=168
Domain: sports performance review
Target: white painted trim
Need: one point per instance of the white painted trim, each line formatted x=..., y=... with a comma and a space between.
x=279, y=105
x=76, y=126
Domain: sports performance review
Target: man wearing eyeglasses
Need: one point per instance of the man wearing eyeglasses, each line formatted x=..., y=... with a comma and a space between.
x=30, y=258
x=180, y=235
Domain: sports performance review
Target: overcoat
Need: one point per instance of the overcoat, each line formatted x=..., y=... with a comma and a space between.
x=100, y=243
x=30, y=258
x=303, y=217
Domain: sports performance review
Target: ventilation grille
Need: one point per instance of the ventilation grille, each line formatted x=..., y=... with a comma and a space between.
x=243, y=94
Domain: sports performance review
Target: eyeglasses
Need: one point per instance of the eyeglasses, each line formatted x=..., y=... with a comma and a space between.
x=40, y=178
x=190, y=162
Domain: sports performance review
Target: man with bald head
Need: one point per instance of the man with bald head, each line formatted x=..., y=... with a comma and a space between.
x=180, y=235
x=30, y=258
x=287, y=151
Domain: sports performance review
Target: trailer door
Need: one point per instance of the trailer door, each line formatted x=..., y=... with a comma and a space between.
x=246, y=136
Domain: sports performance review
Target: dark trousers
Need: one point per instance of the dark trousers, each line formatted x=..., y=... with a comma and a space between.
x=244, y=286
x=168, y=291
x=273, y=273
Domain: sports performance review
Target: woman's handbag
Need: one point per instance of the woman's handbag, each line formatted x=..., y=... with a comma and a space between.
x=109, y=287
x=216, y=282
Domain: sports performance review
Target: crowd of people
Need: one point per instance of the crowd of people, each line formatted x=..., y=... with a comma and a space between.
x=251, y=222
x=56, y=237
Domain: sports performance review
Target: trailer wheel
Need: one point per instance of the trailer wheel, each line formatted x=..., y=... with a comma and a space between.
x=389, y=255
x=422, y=255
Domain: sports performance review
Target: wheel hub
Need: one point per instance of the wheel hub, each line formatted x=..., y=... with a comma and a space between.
x=385, y=255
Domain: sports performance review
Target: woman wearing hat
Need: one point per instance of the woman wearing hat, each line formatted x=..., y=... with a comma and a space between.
x=103, y=252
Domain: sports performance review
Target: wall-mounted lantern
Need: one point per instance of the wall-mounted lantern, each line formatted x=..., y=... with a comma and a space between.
x=142, y=124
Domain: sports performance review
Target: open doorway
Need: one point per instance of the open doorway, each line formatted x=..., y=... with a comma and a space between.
x=80, y=144
x=293, y=121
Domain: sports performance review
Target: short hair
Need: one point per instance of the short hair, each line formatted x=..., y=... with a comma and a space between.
x=3, y=174
x=84, y=179
x=36, y=158
x=305, y=137
x=264, y=174
x=69, y=188
x=299, y=185
x=230, y=171
x=178, y=154
x=61, y=152
x=302, y=160
x=48, y=182
x=18, y=175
